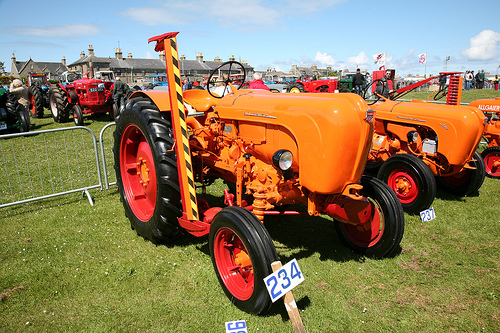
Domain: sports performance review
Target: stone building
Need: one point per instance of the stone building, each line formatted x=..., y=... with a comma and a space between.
x=51, y=69
x=135, y=71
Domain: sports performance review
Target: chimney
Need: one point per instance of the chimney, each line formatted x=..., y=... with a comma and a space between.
x=82, y=55
x=244, y=62
x=183, y=57
x=231, y=58
x=13, y=59
x=199, y=57
x=129, y=55
x=217, y=59
x=314, y=67
x=63, y=60
x=91, y=50
x=119, y=54
x=162, y=55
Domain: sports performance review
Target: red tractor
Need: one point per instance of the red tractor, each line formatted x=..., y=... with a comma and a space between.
x=315, y=86
x=276, y=150
x=491, y=155
x=77, y=96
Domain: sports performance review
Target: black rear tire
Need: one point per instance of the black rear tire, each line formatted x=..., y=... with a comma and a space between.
x=242, y=252
x=59, y=104
x=491, y=157
x=412, y=181
x=146, y=170
x=35, y=97
x=466, y=182
x=387, y=228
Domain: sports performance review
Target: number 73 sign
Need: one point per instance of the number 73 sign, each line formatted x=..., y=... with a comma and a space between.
x=283, y=280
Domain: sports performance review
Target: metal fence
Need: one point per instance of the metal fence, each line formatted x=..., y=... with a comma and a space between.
x=49, y=163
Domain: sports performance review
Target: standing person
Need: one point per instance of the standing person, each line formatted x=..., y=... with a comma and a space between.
x=482, y=76
x=473, y=81
x=442, y=82
x=468, y=80
x=188, y=85
x=495, y=82
x=383, y=87
x=257, y=82
x=21, y=92
x=357, y=81
x=119, y=91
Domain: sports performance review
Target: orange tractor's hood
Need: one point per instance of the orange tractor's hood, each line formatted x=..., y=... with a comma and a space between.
x=327, y=133
x=458, y=128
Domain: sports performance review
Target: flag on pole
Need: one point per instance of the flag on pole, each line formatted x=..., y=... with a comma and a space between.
x=422, y=58
x=379, y=59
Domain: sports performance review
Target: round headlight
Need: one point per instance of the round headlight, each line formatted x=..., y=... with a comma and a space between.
x=412, y=136
x=283, y=159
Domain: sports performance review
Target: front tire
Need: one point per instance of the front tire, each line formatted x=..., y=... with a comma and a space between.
x=77, y=115
x=387, y=225
x=468, y=181
x=412, y=181
x=491, y=157
x=296, y=88
x=146, y=170
x=242, y=252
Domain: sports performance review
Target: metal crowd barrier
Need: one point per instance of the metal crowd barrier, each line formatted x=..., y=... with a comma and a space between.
x=48, y=163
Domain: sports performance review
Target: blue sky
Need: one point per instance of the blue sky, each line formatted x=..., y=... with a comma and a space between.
x=268, y=34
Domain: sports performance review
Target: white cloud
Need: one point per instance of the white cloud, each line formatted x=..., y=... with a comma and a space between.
x=484, y=46
x=238, y=14
x=66, y=30
x=361, y=60
x=324, y=59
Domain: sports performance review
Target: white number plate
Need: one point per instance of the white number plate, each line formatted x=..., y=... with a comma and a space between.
x=239, y=326
x=283, y=280
x=3, y=125
x=427, y=215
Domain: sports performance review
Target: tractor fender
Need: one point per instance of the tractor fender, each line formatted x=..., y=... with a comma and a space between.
x=160, y=98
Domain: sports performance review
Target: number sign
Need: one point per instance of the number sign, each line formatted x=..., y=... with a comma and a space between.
x=283, y=280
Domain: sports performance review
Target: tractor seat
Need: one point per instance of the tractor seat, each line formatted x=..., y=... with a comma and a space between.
x=199, y=99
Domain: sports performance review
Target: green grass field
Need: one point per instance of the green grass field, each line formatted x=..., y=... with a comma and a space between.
x=68, y=266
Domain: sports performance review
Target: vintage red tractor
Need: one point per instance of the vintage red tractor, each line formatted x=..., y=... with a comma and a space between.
x=77, y=96
x=276, y=150
x=313, y=86
x=416, y=143
x=491, y=155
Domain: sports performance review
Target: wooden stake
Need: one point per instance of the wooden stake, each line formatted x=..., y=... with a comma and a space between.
x=291, y=306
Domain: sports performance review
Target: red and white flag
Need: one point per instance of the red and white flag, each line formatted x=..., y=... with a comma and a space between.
x=422, y=58
x=379, y=59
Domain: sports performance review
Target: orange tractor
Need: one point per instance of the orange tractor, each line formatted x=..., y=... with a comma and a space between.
x=275, y=150
x=491, y=155
x=416, y=143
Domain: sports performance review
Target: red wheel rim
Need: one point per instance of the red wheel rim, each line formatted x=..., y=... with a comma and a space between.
x=32, y=104
x=138, y=172
x=492, y=163
x=234, y=264
x=403, y=183
x=369, y=235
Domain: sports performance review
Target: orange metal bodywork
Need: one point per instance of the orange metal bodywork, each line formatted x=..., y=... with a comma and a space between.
x=452, y=132
x=492, y=128
x=235, y=137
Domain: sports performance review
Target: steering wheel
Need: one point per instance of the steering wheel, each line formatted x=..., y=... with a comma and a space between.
x=377, y=94
x=227, y=72
x=441, y=93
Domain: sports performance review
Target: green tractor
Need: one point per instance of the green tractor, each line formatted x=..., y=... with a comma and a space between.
x=13, y=116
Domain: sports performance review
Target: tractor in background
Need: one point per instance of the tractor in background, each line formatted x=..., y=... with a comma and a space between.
x=38, y=94
x=314, y=86
x=416, y=143
x=274, y=151
x=491, y=155
x=13, y=116
x=76, y=96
